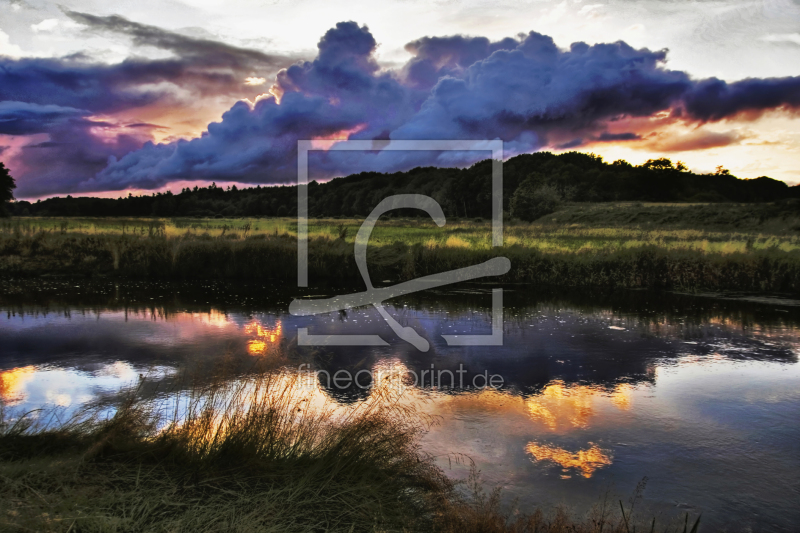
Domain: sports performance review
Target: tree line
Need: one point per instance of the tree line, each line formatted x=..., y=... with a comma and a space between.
x=533, y=185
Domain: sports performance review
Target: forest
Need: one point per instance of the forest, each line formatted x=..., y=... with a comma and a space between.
x=533, y=185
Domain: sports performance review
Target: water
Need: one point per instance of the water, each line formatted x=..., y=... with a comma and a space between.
x=697, y=393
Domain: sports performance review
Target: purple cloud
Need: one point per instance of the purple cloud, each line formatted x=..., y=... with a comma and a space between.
x=73, y=152
x=436, y=57
x=23, y=118
x=527, y=92
x=713, y=99
x=612, y=137
x=524, y=90
x=57, y=96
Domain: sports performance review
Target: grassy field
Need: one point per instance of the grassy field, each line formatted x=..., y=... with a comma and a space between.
x=723, y=228
x=254, y=453
x=685, y=247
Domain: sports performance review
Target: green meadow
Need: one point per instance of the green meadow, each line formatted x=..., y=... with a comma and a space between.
x=690, y=247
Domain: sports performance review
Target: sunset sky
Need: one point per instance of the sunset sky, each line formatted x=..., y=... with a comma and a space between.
x=108, y=97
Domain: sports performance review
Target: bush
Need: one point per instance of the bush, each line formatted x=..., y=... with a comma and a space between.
x=531, y=202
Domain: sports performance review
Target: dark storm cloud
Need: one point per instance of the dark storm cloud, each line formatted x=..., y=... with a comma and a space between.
x=23, y=118
x=73, y=152
x=341, y=89
x=203, y=51
x=525, y=91
x=74, y=83
x=40, y=95
x=539, y=90
x=49, y=95
x=612, y=137
x=435, y=57
x=713, y=99
x=200, y=66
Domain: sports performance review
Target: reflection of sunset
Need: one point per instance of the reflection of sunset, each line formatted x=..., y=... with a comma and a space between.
x=487, y=401
x=256, y=347
x=213, y=318
x=621, y=397
x=558, y=405
x=11, y=382
x=585, y=461
x=561, y=407
x=264, y=336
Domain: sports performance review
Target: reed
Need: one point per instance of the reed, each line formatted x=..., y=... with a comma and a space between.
x=603, y=258
x=251, y=453
x=242, y=455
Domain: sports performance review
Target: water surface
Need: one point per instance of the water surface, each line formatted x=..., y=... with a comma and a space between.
x=699, y=394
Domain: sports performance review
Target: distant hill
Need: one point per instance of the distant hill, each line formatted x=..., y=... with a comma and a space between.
x=533, y=185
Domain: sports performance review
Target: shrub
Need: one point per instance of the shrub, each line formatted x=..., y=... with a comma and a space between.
x=531, y=202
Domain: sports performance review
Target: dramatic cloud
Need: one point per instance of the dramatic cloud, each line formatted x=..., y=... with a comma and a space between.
x=62, y=97
x=696, y=140
x=22, y=118
x=715, y=99
x=201, y=52
x=343, y=89
x=435, y=57
x=75, y=82
x=536, y=94
x=612, y=137
x=70, y=154
x=525, y=91
x=200, y=67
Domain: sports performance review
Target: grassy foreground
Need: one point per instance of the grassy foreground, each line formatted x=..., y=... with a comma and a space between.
x=744, y=248
x=253, y=454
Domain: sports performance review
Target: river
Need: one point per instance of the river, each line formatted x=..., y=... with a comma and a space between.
x=590, y=392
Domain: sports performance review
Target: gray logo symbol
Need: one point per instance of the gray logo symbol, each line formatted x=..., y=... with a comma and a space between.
x=375, y=297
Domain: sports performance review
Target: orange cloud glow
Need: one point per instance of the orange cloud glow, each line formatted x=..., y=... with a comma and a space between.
x=586, y=462
x=264, y=336
x=562, y=408
x=12, y=382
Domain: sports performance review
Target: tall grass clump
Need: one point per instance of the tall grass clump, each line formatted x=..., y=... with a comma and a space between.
x=239, y=455
x=686, y=259
x=255, y=454
x=255, y=449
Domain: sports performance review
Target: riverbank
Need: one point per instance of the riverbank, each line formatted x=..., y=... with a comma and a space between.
x=252, y=454
x=567, y=257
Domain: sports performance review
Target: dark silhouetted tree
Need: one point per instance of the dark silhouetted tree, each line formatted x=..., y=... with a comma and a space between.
x=659, y=164
x=722, y=171
x=533, y=186
x=7, y=186
x=531, y=202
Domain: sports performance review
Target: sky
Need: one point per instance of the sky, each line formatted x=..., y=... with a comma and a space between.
x=108, y=97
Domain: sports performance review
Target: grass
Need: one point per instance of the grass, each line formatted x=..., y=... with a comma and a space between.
x=575, y=228
x=251, y=453
x=243, y=455
x=667, y=248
